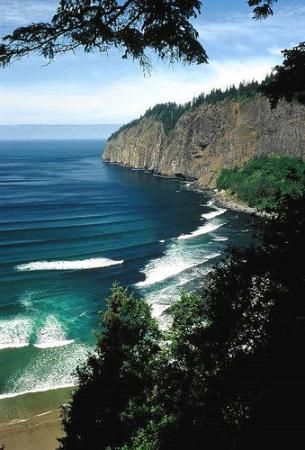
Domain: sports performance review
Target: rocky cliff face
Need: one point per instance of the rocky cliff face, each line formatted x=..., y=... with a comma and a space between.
x=210, y=137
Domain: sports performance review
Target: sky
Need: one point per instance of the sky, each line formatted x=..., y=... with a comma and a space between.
x=95, y=89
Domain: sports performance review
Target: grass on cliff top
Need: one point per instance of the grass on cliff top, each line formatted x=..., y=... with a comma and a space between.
x=263, y=182
x=169, y=113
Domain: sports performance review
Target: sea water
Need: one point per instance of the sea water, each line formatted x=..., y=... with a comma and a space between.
x=70, y=226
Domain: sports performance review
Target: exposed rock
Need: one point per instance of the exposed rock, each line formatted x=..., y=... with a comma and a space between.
x=210, y=137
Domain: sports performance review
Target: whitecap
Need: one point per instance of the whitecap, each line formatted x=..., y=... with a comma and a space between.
x=220, y=239
x=15, y=333
x=33, y=391
x=52, y=334
x=157, y=310
x=47, y=371
x=176, y=260
x=26, y=300
x=92, y=263
x=212, y=214
x=204, y=229
x=162, y=269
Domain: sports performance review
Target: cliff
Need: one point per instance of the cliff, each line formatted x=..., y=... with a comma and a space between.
x=205, y=139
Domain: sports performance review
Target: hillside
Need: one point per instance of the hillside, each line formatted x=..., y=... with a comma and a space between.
x=221, y=134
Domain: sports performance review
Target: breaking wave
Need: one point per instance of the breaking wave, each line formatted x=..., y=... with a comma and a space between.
x=92, y=263
x=204, y=229
x=212, y=214
x=175, y=261
x=52, y=335
x=15, y=333
x=220, y=239
x=162, y=269
x=47, y=371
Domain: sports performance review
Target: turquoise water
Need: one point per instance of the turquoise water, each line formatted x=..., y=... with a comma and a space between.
x=70, y=226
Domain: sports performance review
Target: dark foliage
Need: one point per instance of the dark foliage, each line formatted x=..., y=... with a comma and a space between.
x=117, y=374
x=232, y=377
x=262, y=8
x=137, y=28
x=229, y=373
x=132, y=26
x=288, y=79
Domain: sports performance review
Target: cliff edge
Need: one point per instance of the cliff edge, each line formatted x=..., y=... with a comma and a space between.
x=210, y=137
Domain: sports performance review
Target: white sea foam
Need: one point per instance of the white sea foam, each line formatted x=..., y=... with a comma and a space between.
x=32, y=391
x=162, y=269
x=26, y=299
x=204, y=229
x=176, y=260
x=52, y=335
x=212, y=214
x=47, y=371
x=158, y=310
x=15, y=333
x=92, y=263
x=220, y=239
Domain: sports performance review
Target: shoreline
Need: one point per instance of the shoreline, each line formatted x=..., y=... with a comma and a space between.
x=223, y=198
x=32, y=421
x=38, y=432
x=227, y=200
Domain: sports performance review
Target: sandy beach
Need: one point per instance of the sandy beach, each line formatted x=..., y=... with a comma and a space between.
x=32, y=421
x=38, y=433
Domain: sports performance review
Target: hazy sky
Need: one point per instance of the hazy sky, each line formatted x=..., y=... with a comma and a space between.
x=100, y=89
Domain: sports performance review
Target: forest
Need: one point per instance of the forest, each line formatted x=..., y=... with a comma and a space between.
x=169, y=113
x=227, y=374
x=264, y=182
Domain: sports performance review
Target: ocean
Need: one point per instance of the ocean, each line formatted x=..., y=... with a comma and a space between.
x=71, y=226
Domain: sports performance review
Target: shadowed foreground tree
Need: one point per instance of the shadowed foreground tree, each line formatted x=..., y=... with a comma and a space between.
x=132, y=26
x=229, y=373
x=137, y=28
x=232, y=375
x=118, y=373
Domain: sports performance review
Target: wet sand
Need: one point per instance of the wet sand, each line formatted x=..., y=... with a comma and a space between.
x=32, y=421
x=38, y=433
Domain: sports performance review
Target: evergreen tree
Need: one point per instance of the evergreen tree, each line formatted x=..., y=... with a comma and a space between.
x=118, y=373
x=134, y=27
x=232, y=375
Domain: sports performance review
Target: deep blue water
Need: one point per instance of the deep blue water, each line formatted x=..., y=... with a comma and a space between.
x=70, y=226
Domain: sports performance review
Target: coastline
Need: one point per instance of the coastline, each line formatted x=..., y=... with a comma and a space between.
x=229, y=201
x=38, y=432
x=226, y=200
x=32, y=421
x=222, y=198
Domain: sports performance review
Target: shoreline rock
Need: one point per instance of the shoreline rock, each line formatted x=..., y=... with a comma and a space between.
x=210, y=137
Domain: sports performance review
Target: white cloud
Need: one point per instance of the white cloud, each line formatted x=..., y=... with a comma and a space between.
x=239, y=33
x=16, y=11
x=125, y=99
x=240, y=49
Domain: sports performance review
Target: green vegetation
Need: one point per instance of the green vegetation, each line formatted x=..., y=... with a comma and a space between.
x=263, y=182
x=169, y=113
x=117, y=376
x=229, y=372
x=288, y=78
